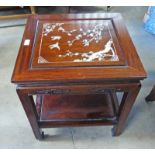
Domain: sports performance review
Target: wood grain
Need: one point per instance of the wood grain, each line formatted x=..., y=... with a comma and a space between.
x=73, y=93
x=130, y=66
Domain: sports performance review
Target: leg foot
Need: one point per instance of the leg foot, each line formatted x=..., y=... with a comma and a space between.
x=43, y=135
x=151, y=96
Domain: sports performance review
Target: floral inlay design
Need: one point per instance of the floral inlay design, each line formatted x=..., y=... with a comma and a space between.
x=83, y=36
x=42, y=60
x=91, y=56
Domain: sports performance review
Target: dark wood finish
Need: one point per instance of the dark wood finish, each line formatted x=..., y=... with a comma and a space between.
x=68, y=107
x=151, y=96
x=67, y=59
x=72, y=110
x=30, y=109
x=128, y=66
x=125, y=107
x=51, y=56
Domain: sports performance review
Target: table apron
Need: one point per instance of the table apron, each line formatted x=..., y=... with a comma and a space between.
x=78, y=89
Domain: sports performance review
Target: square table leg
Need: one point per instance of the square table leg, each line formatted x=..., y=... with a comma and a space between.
x=30, y=110
x=127, y=102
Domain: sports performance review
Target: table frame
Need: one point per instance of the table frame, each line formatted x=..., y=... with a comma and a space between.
x=130, y=90
x=78, y=79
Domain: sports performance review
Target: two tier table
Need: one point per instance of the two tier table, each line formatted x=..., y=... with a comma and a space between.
x=71, y=68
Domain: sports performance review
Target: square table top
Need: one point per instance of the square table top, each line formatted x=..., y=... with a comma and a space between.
x=76, y=47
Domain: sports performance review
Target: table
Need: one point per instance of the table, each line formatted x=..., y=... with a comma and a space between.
x=71, y=67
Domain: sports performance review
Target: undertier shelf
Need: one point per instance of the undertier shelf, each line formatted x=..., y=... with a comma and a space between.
x=76, y=110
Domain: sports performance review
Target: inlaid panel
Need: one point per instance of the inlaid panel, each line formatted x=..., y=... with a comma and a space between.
x=76, y=43
x=76, y=48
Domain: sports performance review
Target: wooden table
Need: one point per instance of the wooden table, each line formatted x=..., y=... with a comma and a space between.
x=75, y=64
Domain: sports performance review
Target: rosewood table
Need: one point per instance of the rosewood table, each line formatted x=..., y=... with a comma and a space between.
x=71, y=67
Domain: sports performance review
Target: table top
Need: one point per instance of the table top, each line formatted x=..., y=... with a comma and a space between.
x=76, y=47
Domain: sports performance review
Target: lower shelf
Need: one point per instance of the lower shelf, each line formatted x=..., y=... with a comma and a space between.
x=75, y=110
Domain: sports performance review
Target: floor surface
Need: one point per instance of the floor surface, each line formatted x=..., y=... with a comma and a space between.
x=140, y=127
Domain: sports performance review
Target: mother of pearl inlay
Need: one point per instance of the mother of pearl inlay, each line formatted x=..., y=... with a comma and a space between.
x=91, y=56
x=86, y=37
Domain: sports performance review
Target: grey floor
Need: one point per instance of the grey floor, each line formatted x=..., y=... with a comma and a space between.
x=15, y=131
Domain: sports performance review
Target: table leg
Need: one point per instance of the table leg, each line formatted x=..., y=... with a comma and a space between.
x=151, y=96
x=30, y=110
x=125, y=107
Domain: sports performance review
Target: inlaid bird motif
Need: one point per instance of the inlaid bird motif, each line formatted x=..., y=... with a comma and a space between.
x=85, y=37
x=56, y=45
x=55, y=37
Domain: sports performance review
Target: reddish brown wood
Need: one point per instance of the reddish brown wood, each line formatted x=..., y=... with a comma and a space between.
x=51, y=56
x=125, y=107
x=76, y=123
x=43, y=69
x=28, y=70
x=39, y=99
x=30, y=109
x=67, y=107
